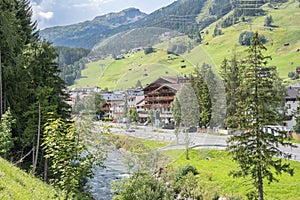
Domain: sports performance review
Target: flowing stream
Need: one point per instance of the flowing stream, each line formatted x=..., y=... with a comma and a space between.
x=115, y=170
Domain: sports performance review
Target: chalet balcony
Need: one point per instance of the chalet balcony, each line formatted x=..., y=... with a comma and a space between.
x=155, y=105
x=160, y=98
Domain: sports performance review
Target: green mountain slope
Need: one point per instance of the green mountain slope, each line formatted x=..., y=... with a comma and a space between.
x=214, y=49
x=87, y=34
x=283, y=39
x=123, y=74
x=16, y=184
x=139, y=37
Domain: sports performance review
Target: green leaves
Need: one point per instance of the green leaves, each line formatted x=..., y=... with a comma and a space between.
x=6, y=140
x=140, y=186
x=71, y=162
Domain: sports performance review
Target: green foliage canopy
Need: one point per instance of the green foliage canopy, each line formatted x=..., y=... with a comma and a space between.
x=71, y=162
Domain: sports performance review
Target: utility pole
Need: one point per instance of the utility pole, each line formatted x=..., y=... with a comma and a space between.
x=102, y=67
x=291, y=66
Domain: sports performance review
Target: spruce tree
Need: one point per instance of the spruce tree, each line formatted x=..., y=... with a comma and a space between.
x=230, y=72
x=203, y=96
x=256, y=148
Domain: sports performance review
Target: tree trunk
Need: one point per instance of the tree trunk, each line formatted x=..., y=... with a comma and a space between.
x=260, y=186
x=38, y=141
x=46, y=170
x=187, y=141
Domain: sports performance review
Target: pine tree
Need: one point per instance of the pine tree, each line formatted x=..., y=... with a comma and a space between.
x=230, y=72
x=176, y=111
x=268, y=21
x=203, y=96
x=255, y=149
x=9, y=45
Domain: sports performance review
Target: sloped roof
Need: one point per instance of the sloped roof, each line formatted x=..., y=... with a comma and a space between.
x=139, y=99
x=170, y=81
x=292, y=93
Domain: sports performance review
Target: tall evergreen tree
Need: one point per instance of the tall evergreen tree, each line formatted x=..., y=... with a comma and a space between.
x=9, y=44
x=230, y=72
x=203, y=96
x=45, y=95
x=256, y=148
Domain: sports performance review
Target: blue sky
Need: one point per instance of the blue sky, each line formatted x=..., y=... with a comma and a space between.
x=63, y=12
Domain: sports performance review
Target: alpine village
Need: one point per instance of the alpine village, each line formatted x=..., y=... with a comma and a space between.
x=198, y=100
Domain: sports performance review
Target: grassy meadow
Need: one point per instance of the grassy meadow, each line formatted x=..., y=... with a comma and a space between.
x=214, y=166
x=123, y=74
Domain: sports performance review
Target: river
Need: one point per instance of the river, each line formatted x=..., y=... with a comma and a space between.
x=114, y=170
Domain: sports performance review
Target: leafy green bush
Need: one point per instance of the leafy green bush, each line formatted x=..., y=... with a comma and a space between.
x=128, y=143
x=177, y=48
x=140, y=186
x=246, y=37
x=184, y=170
x=293, y=75
x=148, y=50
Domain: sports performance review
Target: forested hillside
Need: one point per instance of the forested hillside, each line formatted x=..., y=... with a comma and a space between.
x=71, y=61
x=136, y=38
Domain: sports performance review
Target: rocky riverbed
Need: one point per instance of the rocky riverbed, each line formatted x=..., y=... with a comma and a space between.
x=114, y=170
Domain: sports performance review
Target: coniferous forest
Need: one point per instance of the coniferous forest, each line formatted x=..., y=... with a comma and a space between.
x=30, y=88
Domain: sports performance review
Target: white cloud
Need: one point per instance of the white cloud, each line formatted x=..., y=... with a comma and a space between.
x=42, y=11
x=46, y=15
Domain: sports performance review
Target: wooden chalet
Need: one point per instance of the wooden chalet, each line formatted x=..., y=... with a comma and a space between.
x=160, y=94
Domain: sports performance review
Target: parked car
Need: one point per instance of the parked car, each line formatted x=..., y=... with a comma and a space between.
x=191, y=129
x=130, y=130
x=168, y=126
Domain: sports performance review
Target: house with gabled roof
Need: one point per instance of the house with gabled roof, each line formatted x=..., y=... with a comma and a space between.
x=159, y=95
x=291, y=105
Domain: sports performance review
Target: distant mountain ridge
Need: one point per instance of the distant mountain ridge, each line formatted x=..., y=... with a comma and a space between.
x=87, y=34
x=185, y=16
